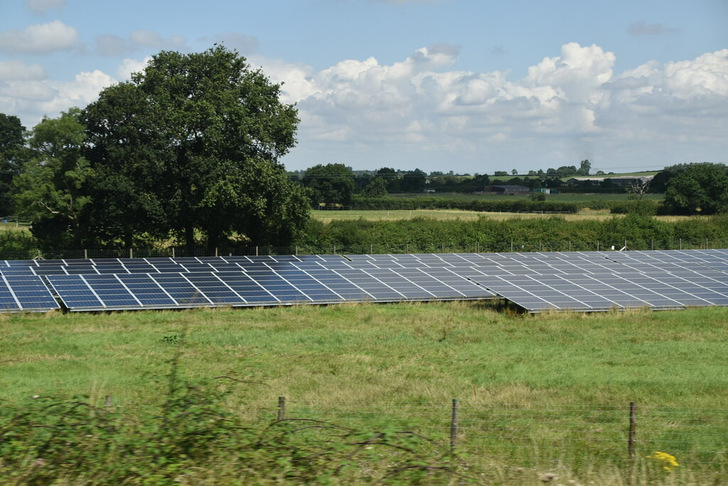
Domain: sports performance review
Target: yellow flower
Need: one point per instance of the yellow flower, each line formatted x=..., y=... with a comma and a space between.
x=668, y=461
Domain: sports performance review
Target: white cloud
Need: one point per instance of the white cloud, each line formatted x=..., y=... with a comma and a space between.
x=39, y=39
x=129, y=66
x=20, y=71
x=31, y=100
x=564, y=104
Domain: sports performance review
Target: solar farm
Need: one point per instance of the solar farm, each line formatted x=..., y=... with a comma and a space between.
x=536, y=282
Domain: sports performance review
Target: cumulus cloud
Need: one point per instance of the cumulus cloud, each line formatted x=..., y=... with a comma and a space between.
x=572, y=100
x=130, y=66
x=33, y=99
x=20, y=71
x=39, y=39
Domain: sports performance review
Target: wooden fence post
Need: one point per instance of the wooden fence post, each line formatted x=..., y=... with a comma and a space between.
x=281, y=408
x=454, y=425
x=632, y=430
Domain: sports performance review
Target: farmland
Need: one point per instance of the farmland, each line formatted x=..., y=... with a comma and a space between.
x=538, y=394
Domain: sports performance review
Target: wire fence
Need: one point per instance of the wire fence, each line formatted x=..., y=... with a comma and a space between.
x=531, y=436
x=362, y=248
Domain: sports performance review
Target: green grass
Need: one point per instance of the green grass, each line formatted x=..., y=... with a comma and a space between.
x=532, y=389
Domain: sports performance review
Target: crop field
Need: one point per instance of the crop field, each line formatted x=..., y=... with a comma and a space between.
x=536, y=395
x=447, y=215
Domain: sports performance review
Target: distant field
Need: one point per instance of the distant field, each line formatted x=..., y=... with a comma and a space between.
x=445, y=215
x=455, y=214
x=586, y=197
x=536, y=392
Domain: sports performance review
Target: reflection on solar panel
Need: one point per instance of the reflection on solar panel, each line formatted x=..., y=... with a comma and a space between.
x=581, y=281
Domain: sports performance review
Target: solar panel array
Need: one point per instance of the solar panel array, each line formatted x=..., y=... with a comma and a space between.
x=581, y=281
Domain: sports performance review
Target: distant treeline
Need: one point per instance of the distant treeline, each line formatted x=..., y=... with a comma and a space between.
x=505, y=205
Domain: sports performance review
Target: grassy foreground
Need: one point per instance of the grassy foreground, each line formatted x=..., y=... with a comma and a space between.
x=537, y=395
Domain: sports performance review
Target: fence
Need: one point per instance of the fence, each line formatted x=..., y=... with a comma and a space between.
x=354, y=249
x=535, y=436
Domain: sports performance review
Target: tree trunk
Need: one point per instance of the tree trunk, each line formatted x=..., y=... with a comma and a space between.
x=190, y=240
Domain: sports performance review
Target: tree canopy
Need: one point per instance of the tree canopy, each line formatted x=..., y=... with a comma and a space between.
x=52, y=188
x=192, y=144
x=12, y=156
x=700, y=188
x=330, y=184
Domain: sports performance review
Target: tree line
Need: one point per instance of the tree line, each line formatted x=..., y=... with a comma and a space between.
x=189, y=151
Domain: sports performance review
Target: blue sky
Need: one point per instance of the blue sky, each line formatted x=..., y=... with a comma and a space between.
x=466, y=85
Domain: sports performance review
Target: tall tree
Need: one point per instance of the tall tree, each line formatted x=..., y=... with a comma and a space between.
x=12, y=156
x=377, y=187
x=51, y=190
x=193, y=142
x=584, y=168
x=413, y=181
x=330, y=184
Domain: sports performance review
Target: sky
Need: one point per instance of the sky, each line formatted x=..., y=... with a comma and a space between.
x=470, y=86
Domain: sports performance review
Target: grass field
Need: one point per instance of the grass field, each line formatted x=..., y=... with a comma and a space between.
x=536, y=393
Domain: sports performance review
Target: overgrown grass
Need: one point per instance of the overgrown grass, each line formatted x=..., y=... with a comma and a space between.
x=537, y=394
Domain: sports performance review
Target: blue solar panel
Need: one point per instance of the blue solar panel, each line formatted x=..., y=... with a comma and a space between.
x=591, y=281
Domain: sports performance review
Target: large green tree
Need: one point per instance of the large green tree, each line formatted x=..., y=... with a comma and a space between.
x=193, y=143
x=51, y=190
x=700, y=188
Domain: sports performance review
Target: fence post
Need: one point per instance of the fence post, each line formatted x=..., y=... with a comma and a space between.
x=131, y=253
x=281, y=408
x=632, y=430
x=108, y=402
x=454, y=425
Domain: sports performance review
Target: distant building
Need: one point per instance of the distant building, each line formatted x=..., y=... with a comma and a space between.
x=507, y=189
x=620, y=181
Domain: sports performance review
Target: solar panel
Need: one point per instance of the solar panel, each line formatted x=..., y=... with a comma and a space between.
x=25, y=293
x=581, y=281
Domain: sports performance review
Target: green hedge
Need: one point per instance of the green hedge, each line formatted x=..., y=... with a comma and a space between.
x=553, y=233
x=504, y=206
